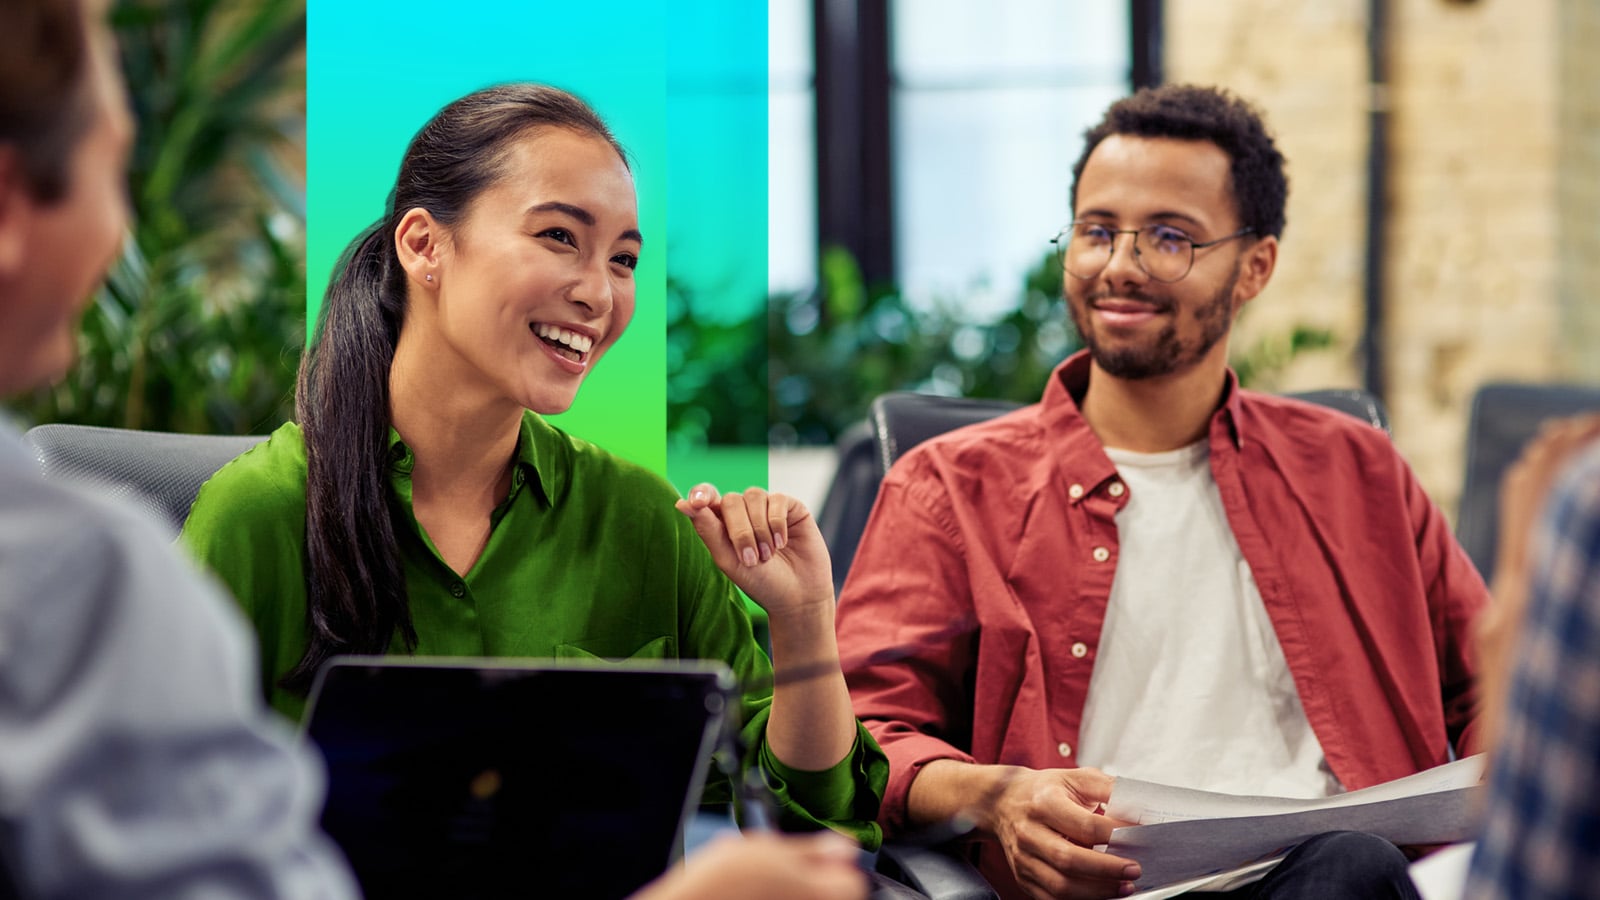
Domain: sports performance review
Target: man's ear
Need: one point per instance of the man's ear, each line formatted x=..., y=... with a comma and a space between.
x=418, y=241
x=16, y=213
x=1255, y=270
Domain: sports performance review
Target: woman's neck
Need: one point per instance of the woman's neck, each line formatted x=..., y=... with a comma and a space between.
x=462, y=437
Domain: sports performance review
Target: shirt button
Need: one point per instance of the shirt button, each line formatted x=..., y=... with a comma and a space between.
x=1101, y=554
x=1064, y=748
x=1116, y=489
x=458, y=590
x=1080, y=650
x=1075, y=491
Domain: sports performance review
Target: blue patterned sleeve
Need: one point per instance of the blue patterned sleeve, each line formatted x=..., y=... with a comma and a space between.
x=1541, y=834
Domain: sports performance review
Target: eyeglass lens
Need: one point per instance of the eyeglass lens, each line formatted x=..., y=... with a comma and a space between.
x=1163, y=252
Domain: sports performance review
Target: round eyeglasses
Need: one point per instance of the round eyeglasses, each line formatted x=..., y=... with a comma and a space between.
x=1163, y=252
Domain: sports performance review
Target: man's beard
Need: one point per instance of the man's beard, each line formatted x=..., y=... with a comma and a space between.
x=1166, y=354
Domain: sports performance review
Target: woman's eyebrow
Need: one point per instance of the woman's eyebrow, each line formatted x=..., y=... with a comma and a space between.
x=576, y=212
x=581, y=214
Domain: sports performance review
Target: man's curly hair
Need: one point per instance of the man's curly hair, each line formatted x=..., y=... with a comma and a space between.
x=1196, y=113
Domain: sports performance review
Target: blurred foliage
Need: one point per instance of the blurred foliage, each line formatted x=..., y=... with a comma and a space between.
x=833, y=351
x=200, y=324
x=1260, y=364
x=716, y=375
x=829, y=352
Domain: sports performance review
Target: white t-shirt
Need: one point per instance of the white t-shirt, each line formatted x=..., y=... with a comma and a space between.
x=1190, y=686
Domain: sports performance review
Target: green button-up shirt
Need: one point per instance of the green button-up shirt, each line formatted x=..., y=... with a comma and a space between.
x=586, y=559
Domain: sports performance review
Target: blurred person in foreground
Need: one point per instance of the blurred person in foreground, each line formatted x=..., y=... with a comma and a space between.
x=138, y=759
x=1540, y=643
x=1152, y=572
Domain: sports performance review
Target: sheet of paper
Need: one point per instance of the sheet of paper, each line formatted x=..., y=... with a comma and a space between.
x=1175, y=851
x=1148, y=803
x=1443, y=875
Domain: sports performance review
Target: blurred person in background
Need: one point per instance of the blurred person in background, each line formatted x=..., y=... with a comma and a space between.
x=1540, y=649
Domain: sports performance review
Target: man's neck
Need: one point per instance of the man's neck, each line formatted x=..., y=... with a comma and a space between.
x=1151, y=415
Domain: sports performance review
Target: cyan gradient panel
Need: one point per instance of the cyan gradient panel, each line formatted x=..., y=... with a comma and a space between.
x=716, y=64
x=377, y=72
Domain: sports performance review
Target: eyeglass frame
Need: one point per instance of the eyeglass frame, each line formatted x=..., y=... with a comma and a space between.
x=1138, y=255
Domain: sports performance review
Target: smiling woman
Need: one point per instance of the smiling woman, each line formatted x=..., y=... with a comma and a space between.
x=423, y=504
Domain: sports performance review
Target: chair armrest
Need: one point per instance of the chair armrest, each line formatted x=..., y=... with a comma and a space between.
x=935, y=871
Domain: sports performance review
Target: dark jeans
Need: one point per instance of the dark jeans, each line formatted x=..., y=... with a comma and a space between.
x=1339, y=865
x=885, y=888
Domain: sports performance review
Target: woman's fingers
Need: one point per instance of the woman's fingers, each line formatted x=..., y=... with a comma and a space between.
x=741, y=534
x=753, y=524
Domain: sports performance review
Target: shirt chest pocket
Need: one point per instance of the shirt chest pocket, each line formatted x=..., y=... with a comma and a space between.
x=613, y=648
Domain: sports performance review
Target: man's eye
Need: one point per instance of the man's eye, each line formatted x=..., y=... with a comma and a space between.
x=1095, y=235
x=626, y=260
x=1165, y=239
x=559, y=234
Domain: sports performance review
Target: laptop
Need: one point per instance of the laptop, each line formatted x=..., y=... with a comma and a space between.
x=495, y=778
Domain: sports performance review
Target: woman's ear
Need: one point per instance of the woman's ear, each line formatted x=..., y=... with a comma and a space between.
x=418, y=241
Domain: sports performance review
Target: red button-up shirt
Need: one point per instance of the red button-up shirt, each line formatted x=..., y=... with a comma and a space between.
x=971, y=617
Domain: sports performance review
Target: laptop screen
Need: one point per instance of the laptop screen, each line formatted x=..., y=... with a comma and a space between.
x=489, y=778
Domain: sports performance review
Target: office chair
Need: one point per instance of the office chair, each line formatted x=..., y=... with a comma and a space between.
x=896, y=422
x=1504, y=418
x=156, y=470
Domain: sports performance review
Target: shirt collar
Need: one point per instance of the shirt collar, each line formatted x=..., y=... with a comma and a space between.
x=1083, y=461
x=539, y=441
x=535, y=439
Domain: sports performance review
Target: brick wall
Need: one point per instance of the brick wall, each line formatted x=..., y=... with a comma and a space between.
x=1578, y=187
x=1494, y=240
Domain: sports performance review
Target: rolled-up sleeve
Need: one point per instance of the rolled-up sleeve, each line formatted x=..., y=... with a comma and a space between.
x=907, y=627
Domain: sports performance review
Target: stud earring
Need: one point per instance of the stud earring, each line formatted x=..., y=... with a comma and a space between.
x=430, y=277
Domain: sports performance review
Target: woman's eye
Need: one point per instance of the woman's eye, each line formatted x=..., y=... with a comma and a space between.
x=626, y=260
x=559, y=234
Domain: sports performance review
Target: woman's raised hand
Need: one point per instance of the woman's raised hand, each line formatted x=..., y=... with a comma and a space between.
x=767, y=543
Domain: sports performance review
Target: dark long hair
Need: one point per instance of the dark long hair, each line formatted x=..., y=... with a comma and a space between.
x=355, y=584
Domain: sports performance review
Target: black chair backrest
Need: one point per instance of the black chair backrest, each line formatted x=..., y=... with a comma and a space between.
x=898, y=421
x=1360, y=404
x=1504, y=418
x=159, y=471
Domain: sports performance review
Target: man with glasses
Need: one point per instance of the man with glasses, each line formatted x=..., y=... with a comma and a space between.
x=1152, y=572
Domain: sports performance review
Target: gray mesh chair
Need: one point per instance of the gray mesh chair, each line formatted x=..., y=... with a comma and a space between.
x=1504, y=417
x=159, y=471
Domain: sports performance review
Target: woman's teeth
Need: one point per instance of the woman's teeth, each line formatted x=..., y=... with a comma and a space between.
x=570, y=344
